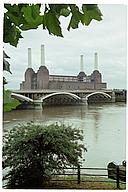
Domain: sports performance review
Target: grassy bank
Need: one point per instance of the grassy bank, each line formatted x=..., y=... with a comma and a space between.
x=71, y=183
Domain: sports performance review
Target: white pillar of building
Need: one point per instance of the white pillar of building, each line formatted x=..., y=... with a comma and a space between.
x=42, y=56
x=81, y=63
x=96, y=62
x=29, y=58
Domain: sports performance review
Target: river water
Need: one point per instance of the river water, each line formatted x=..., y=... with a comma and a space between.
x=103, y=125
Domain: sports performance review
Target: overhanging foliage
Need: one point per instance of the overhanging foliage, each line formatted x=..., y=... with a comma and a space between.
x=22, y=17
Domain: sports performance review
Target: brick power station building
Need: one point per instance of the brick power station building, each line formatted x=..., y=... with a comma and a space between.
x=43, y=80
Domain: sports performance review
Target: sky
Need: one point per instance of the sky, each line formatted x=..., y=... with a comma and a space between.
x=62, y=55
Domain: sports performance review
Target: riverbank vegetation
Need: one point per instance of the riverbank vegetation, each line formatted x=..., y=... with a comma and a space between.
x=33, y=152
x=8, y=102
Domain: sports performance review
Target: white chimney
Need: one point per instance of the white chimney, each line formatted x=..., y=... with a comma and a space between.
x=29, y=58
x=81, y=63
x=42, y=56
x=96, y=62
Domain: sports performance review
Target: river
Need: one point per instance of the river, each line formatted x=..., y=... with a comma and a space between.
x=103, y=125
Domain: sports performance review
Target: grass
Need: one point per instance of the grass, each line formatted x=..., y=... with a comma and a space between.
x=70, y=182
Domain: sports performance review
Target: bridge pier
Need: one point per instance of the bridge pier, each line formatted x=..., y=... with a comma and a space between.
x=113, y=97
x=38, y=104
x=84, y=100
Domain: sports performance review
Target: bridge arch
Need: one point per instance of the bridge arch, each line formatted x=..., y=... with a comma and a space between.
x=98, y=93
x=21, y=97
x=71, y=95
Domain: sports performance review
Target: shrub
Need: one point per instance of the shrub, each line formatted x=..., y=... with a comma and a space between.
x=33, y=152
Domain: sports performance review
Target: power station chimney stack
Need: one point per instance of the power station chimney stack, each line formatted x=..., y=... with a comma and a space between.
x=81, y=63
x=96, y=62
x=42, y=56
x=29, y=58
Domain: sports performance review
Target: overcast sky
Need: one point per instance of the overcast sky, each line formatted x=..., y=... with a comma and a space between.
x=62, y=55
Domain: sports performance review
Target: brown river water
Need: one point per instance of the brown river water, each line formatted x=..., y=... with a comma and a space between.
x=103, y=125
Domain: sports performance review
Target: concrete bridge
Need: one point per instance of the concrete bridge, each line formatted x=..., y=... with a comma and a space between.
x=38, y=98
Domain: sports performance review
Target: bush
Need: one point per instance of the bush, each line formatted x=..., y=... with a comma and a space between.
x=33, y=152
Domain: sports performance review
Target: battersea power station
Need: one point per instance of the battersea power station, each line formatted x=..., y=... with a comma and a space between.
x=42, y=79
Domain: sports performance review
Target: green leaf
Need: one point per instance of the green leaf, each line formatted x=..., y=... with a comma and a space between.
x=90, y=12
x=15, y=19
x=56, y=8
x=85, y=19
x=52, y=23
x=73, y=23
x=65, y=12
x=4, y=81
x=32, y=17
x=12, y=8
x=15, y=14
x=11, y=32
x=15, y=34
x=6, y=66
x=30, y=13
x=76, y=17
x=5, y=55
x=94, y=14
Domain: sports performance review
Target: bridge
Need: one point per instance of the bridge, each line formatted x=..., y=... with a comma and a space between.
x=38, y=98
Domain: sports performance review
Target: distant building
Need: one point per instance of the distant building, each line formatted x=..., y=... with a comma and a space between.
x=43, y=80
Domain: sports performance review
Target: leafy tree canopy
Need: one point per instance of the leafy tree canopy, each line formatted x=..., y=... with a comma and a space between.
x=33, y=152
x=22, y=17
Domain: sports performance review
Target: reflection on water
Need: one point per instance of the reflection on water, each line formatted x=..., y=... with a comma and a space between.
x=103, y=128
